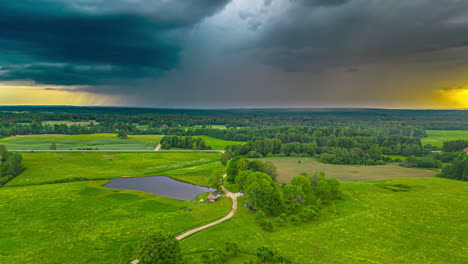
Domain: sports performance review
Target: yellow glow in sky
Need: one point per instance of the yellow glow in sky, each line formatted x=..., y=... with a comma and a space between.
x=455, y=98
x=34, y=95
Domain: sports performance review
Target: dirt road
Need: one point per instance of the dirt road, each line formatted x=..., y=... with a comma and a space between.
x=228, y=216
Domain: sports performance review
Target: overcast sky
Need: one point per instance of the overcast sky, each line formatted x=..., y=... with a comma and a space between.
x=237, y=53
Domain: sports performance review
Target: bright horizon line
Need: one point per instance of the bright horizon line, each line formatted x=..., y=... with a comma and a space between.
x=239, y=108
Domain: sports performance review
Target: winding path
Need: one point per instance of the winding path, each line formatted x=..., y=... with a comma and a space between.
x=228, y=216
x=198, y=229
x=158, y=147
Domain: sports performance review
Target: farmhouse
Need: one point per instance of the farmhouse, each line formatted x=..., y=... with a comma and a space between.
x=212, y=197
x=466, y=150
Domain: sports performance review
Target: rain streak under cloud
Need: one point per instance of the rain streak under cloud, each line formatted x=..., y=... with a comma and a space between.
x=238, y=53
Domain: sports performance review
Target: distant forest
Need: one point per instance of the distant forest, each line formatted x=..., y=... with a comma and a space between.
x=22, y=120
x=336, y=136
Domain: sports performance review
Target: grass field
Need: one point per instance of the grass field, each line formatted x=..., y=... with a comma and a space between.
x=52, y=166
x=437, y=137
x=82, y=222
x=220, y=144
x=373, y=225
x=106, y=141
x=290, y=167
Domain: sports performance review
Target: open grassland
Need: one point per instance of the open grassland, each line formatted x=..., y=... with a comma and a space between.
x=290, y=167
x=83, y=222
x=220, y=144
x=437, y=137
x=373, y=225
x=106, y=141
x=59, y=166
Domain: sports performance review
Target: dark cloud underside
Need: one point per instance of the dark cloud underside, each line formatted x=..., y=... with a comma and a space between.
x=119, y=44
x=228, y=53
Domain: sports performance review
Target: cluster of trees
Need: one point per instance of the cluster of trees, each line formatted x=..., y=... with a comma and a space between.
x=458, y=170
x=195, y=143
x=163, y=248
x=321, y=134
x=422, y=162
x=10, y=165
x=301, y=198
x=160, y=247
x=455, y=145
x=265, y=254
x=336, y=150
x=238, y=164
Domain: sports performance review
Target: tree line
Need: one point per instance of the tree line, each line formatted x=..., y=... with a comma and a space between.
x=10, y=165
x=30, y=120
x=428, y=119
x=369, y=150
x=458, y=170
x=299, y=200
x=195, y=143
x=455, y=145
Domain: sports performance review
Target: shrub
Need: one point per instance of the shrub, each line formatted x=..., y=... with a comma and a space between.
x=267, y=225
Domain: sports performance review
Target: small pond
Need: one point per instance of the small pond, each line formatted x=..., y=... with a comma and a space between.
x=159, y=185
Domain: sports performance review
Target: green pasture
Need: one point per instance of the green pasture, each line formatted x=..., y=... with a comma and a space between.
x=105, y=141
x=47, y=167
x=373, y=225
x=83, y=222
x=437, y=137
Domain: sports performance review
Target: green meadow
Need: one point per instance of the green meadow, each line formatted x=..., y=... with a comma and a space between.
x=104, y=141
x=83, y=222
x=107, y=141
x=437, y=137
x=373, y=225
x=48, y=167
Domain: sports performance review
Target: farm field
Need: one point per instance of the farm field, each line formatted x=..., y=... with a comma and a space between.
x=58, y=166
x=290, y=167
x=83, y=222
x=437, y=137
x=373, y=225
x=107, y=141
x=220, y=144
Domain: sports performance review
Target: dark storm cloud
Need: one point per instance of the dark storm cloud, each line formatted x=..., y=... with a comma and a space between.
x=93, y=42
x=309, y=36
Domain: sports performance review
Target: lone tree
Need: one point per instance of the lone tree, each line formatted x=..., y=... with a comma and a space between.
x=3, y=153
x=122, y=134
x=159, y=248
x=53, y=146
